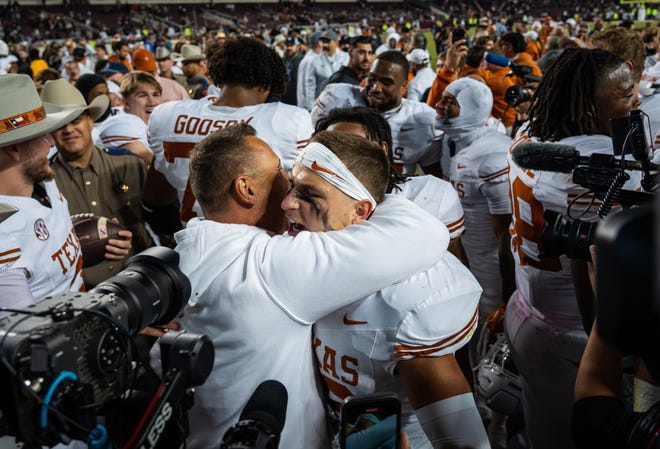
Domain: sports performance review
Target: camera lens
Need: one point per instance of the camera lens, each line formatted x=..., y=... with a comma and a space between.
x=151, y=290
x=514, y=95
x=565, y=236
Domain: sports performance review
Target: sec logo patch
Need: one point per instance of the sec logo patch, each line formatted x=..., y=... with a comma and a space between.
x=40, y=230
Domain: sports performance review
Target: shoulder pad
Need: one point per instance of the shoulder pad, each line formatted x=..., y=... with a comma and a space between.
x=117, y=151
x=6, y=211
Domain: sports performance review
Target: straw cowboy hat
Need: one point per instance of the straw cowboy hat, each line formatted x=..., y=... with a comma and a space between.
x=191, y=53
x=61, y=93
x=22, y=114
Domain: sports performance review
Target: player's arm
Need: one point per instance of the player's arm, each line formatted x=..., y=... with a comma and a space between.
x=139, y=149
x=501, y=223
x=14, y=290
x=317, y=273
x=160, y=203
x=448, y=72
x=457, y=249
x=583, y=293
x=443, y=402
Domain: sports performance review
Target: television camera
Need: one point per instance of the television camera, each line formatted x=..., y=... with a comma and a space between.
x=69, y=369
x=604, y=176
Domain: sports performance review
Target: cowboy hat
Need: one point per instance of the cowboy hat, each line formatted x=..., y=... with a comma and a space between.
x=22, y=114
x=191, y=53
x=61, y=93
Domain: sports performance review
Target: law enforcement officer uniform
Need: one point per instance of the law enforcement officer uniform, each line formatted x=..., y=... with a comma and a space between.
x=110, y=186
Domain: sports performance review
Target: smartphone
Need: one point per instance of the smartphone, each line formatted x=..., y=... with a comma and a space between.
x=457, y=34
x=370, y=421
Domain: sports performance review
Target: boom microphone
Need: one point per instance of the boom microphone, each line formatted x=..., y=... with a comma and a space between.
x=546, y=156
x=560, y=158
x=261, y=421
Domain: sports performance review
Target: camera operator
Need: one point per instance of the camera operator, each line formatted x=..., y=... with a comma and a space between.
x=600, y=417
x=573, y=105
x=39, y=250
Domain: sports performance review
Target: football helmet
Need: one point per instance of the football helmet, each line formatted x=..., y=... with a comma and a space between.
x=498, y=383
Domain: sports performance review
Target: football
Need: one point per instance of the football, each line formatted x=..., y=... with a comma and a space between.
x=93, y=233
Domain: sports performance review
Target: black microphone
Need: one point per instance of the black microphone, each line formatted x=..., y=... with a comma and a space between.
x=556, y=157
x=268, y=405
x=546, y=156
x=261, y=421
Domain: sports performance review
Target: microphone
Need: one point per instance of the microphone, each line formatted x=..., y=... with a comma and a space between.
x=522, y=71
x=261, y=421
x=546, y=156
x=498, y=60
x=560, y=158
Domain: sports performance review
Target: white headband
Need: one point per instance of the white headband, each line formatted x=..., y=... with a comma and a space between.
x=318, y=158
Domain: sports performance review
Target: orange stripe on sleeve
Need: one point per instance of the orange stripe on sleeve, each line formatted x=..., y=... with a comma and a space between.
x=497, y=174
x=402, y=350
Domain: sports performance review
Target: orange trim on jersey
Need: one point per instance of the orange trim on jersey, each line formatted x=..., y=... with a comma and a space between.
x=302, y=143
x=174, y=150
x=320, y=104
x=497, y=174
x=457, y=224
x=113, y=138
x=79, y=268
x=402, y=350
x=11, y=252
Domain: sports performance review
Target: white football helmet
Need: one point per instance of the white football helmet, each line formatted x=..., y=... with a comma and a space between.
x=498, y=383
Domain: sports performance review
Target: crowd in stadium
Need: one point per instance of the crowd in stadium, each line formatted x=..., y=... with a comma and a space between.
x=341, y=188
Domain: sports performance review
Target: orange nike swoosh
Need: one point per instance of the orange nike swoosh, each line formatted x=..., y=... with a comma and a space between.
x=317, y=167
x=350, y=322
x=460, y=166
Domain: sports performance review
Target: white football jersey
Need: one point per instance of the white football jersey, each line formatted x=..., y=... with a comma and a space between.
x=41, y=241
x=431, y=314
x=546, y=283
x=119, y=130
x=175, y=127
x=651, y=106
x=479, y=173
x=412, y=125
x=437, y=197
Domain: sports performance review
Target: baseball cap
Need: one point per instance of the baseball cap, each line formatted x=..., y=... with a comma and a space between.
x=531, y=33
x=279, y=39
x=113, y=67
x=330, y=35
x=144, y=60
x=314, y=38
x=418, y=56
x=292, y=40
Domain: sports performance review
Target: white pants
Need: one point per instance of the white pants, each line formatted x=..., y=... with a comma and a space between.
x=547, y=357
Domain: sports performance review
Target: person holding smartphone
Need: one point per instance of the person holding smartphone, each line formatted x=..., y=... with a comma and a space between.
x=402, y=338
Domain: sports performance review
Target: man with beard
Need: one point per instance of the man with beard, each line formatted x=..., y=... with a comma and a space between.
x=361, y=56
x=39, y=251
x=412, y=122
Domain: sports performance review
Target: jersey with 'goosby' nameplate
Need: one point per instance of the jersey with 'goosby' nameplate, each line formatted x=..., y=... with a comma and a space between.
x=431, y=314
x=175, y=127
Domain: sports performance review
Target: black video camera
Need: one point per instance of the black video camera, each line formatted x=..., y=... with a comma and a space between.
x=71, y=358
x=603, y=175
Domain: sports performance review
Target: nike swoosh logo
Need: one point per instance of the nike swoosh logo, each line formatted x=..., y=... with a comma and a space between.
x=349, y=322
x=460, y=166
x=403, y=130
x=317, y=167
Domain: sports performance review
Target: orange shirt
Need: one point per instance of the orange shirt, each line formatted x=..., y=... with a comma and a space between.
x=498, y=82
